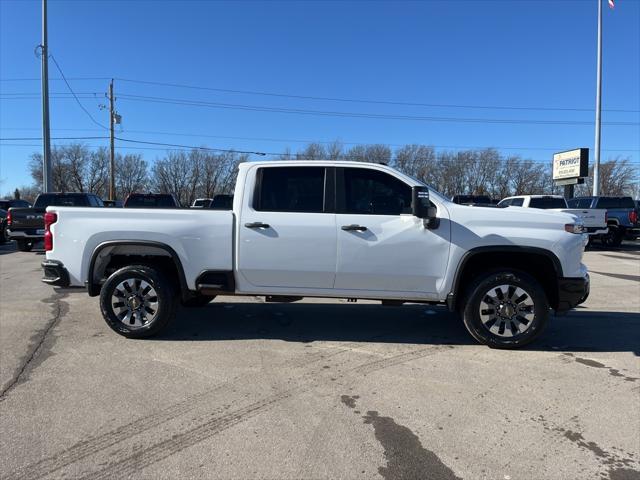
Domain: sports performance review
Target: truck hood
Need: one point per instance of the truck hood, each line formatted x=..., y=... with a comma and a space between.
x=510, y=216
x=510, y=222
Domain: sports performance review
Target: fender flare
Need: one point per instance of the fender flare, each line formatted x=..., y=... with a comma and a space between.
x=94, y=289
x=453, y=294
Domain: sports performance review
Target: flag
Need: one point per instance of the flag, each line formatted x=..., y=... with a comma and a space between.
x=611, y=4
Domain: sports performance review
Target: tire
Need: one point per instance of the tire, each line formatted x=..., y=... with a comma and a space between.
x=198, y=301
x=613, y=238
x=127, y=301
x=24, y=245
x=521, y=318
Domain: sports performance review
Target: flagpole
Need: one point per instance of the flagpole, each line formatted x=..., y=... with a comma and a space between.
x=596, y=166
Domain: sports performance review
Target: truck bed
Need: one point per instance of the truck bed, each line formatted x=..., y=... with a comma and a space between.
x=594, y=219
x=201, y=239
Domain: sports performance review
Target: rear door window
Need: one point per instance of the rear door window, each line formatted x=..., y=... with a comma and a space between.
x=547, y=202
x=579, y=203
x=290, y=189
x=616, y=202
x=62, y=200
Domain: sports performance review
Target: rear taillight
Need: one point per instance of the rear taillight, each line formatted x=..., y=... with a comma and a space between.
x=49, y=219
x=633, y=216
x=9, y=219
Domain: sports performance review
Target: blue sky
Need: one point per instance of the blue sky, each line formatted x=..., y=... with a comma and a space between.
x=508, y=53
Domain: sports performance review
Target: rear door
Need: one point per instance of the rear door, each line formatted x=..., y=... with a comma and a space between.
x=382, y=247
x=287, y=228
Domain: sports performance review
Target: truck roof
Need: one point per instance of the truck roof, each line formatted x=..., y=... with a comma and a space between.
x=535, y=196
x=349, y=163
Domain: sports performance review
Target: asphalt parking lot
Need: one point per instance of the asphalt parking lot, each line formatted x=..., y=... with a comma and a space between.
x=317, y=389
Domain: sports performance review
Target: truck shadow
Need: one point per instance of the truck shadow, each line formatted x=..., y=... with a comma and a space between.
x=580, y=330
x=632, y=247
x=6, y=248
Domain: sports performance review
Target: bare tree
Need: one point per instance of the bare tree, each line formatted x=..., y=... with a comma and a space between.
x=177, y=174
x=419, y=161
x=132, y=174
x=617, y=177
x=286, y=155
x=376, y=153
x=313, y=151
x=334, y=150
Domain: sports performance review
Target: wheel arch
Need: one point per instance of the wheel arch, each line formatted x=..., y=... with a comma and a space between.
x=540, y=263
x=150, y=250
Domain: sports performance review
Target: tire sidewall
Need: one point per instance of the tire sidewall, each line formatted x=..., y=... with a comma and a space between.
x=24, y=245
x=482, y=285
x=164, y=291
x=613, y=238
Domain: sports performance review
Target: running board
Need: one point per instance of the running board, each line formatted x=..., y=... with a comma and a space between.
x=281, y=299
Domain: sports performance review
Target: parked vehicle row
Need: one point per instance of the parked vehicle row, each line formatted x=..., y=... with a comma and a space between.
x=622, y=216
x=25, y=225
x=595, y=221
x=324, y=229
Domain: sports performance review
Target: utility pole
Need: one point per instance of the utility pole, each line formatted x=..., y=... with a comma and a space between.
x=47, y=174
x=112, y=155
x=596, y=166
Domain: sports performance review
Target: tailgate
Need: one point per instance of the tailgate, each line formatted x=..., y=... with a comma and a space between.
x=591, y=217
x=26, y=218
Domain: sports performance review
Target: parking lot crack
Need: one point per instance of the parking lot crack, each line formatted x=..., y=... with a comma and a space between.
x=40, y=346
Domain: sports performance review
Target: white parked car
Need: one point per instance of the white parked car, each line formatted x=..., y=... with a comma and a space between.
x=594, y=220
x=324, y=229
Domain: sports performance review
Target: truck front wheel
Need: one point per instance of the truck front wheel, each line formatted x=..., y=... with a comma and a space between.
x=505, y=309
x=137, y=301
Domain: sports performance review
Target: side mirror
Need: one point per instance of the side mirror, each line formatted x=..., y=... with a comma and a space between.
x=421, y=207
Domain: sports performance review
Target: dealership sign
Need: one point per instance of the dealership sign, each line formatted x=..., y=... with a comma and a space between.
x=571, y=164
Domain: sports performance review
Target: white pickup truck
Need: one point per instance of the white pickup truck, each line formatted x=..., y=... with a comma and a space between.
x=594, y=220
x=324, y=229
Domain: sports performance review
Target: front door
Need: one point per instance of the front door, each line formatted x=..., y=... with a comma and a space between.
x=382, y=247
x=288, y=231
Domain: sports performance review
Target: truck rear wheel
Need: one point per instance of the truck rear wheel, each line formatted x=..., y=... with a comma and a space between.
x=137, y=301
x=613, y=238
x=505, y=309
x=24, y=245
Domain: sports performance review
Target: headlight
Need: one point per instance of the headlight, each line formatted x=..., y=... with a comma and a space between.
x=574, y=228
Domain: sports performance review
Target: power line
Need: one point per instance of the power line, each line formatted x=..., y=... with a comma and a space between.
x=37, y=95
x=357, y=100
x=190, y=146
x=52, y=138
x=293, y=155
x=332, y=99
x=74, y=95
x=326, y=142
x=29, y=79
x=257, y=108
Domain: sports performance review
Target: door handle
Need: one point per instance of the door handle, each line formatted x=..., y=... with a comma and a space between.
x=256, y=225
x=350, y=228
